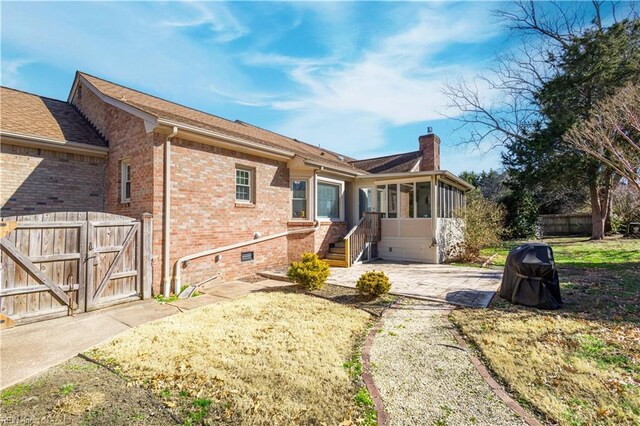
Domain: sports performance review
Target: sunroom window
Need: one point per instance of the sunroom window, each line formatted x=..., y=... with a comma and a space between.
x=423, y=199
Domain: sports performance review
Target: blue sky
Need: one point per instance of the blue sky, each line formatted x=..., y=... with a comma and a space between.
x=360, y=78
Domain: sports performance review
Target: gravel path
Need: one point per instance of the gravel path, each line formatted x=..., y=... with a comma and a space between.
x=422, y=380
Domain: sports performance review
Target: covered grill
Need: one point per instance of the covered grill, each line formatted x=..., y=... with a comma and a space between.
x=530, y=277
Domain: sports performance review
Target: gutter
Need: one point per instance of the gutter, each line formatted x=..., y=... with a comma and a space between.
x=166, y=220
x=180, y=262
x=350, y=172
x=400, y=175
x=19, y=139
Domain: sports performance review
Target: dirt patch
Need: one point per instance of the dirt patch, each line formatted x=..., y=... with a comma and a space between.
x=80, y=392
x=252, y=279
x=267, y=358
x=345, y=296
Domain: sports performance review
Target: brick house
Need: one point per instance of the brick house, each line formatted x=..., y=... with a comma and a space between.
x=210, y=182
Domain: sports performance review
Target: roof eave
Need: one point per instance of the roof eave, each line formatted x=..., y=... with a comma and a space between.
x=401, y=175
x=32, y=141
x=352, y=172
x=150, y=120
x=227, y=140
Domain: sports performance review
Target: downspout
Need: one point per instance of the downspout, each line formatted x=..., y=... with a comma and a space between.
x=178, y=265
x=166, y=221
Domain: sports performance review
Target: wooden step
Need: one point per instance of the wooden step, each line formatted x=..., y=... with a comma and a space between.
x=335, y=256
x=336, y=263
x=339, y=244
x=337, y=250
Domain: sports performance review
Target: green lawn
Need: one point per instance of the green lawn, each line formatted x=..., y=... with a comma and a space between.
x=580, y=252
x=579, y=365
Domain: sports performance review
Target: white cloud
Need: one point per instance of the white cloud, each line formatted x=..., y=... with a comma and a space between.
x=11, y=71
x=215, y=17
x=393, y=82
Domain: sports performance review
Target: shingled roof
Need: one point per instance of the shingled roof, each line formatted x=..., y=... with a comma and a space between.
x=167, y=110
x=397, y=163
x=27, y=114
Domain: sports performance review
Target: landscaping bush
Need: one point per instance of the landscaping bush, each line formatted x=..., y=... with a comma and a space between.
x=373, y=283
x=310, y=273
x=483, y=225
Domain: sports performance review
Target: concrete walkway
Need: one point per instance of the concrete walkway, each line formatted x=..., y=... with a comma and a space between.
x=30, y=349
x=472, y=287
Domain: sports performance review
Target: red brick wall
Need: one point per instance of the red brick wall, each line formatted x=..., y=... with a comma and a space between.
x=127, y=139
x=41, y=181
x=329, y=232
x=430, y=147
x=204, y=213
x=302, y=242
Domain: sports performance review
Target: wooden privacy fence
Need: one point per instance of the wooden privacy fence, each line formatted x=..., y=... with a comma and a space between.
x=55, y=264
x=566, y=224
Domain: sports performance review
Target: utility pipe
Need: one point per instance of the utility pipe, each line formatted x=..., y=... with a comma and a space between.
x=166, y=221
x=179, y=262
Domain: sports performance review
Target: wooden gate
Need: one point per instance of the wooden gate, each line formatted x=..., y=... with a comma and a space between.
x=56, y=264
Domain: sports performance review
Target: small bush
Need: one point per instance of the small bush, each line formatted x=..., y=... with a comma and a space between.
x=310, y=273
x=373, y=283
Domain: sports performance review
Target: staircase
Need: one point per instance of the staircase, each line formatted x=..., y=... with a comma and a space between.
x=350, y=249
x=336, y=256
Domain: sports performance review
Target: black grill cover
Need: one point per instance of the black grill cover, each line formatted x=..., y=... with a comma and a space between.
x=530, y=277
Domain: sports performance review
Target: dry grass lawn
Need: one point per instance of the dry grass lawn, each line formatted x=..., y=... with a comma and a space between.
x=268, y=358
x=579, y=365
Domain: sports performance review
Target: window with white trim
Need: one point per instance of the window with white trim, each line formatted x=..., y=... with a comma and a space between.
x=125, y=180
x=299, y=208
x=328, y=200
x=244, y=190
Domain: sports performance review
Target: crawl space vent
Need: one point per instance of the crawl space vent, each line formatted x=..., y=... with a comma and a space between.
x=246, y=256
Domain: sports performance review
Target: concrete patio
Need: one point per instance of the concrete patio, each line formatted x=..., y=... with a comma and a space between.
x=463, y=286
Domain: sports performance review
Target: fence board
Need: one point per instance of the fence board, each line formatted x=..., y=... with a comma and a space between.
x=566, y=224
x=51, y=260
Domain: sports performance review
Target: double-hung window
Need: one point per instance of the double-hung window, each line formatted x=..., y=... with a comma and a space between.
x=125, y=180
x=329, y=200
x=244, y=193
x=299, y=209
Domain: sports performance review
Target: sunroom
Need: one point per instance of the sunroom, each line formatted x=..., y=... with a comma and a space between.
x=415, y=211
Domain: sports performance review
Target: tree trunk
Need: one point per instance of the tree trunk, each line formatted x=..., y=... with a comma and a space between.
x=600, y=203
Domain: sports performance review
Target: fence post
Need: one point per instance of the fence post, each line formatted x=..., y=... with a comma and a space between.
x=147, y=255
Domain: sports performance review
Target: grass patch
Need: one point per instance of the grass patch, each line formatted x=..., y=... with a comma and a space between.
x=66, y=389
x=13, y=394
x=579, y=365
x=267, y=358
x=174, y=297
x=579, y=252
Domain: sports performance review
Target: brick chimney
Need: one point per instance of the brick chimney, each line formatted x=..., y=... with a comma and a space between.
x=430, y=147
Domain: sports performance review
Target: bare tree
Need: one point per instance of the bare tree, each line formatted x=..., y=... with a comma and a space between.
x=612, y=133
x=513, y=112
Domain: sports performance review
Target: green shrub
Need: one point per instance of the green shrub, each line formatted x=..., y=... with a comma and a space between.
x=373, y=283
x=310, y=273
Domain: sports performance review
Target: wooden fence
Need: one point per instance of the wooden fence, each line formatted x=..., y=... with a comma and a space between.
x=55, y=264
x=566, y=224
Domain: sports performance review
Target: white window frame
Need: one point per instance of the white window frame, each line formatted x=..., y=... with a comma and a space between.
x=125, y=167
x=336, y=182
x=307, y=198
x=251, y=173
